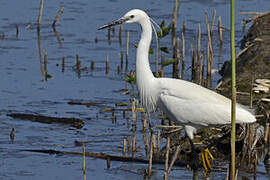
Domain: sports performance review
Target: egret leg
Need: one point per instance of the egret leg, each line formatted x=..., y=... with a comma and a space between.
x=206, y=155
x=195, y=157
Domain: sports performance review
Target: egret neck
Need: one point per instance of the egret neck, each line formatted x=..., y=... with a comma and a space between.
x=144, y=77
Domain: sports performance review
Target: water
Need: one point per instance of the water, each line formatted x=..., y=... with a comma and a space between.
x=23, y=87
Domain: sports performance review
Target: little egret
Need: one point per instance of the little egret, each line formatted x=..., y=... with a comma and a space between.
x=186, y=103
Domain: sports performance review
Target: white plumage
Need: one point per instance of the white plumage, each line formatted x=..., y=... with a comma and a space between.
x=185, y=103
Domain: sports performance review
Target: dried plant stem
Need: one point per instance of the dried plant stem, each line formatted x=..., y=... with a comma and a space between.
x=134, y=113
x=183, y=55
x=233, y=110
x=150, y=158
x=266, y=135
x=158, y=141
x=201, y=69
x=120, y=34
x=124, y=146
x=174, y=41
x=133, y=145
x=213, y=22
x=127, y=47
x=174, y=159
x=220, y=31
x=84, y=163
x=166, y=174
x=40, y=13
x=57, y=16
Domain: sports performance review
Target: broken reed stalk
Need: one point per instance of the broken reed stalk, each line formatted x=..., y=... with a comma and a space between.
x=92, y=65
x=109, y=35
x=78, y=65
x=150, y=158
x=133, y=145
x=183, y=55
x=175, y=71
x=211, y=52
x=121, y=60
x=144, y=121
x=133, y=109
x=156, y=58
x=60, y=11
x=220, y=31
x=127, y=47
x=45, y=64
x=213, y=22
x=233, y=110
x=63, y=64
x=193, y=63
x=84, y=163
x=120, y=34
x=107, y=65
x=40, y=14
x=124, y=146
x=209, y=64
x=154, y=143
x=174, y=159
x=166, y=174
x=145, y=140
x=184, y=27
x=266, y=135
x=201, y=69
x=108, y=162
x=251, y=94
x=158, y=141
x=199, y=41
x=128, y=145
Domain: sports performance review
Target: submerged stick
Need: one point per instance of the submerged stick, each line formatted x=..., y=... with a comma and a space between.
x=102, y=156
x=60, y=11
x=77, y=123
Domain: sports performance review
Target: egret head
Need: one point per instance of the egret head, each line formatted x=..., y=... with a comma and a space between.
x=133, y=16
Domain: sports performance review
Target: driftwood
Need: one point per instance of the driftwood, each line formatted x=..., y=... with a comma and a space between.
x=87, y=104
x=77, y=123
x=104, y=156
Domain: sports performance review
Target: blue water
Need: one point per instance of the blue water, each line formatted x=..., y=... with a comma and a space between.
x=24, y=89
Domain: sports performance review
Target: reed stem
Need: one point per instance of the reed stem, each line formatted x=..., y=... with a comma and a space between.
x=233, y=110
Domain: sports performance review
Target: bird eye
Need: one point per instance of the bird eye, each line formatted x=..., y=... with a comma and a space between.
x=132, y=16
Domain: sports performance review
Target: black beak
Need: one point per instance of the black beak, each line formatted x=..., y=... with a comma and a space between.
x=119, y=21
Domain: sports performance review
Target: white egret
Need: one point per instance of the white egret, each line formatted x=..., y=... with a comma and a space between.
x=186, y=103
